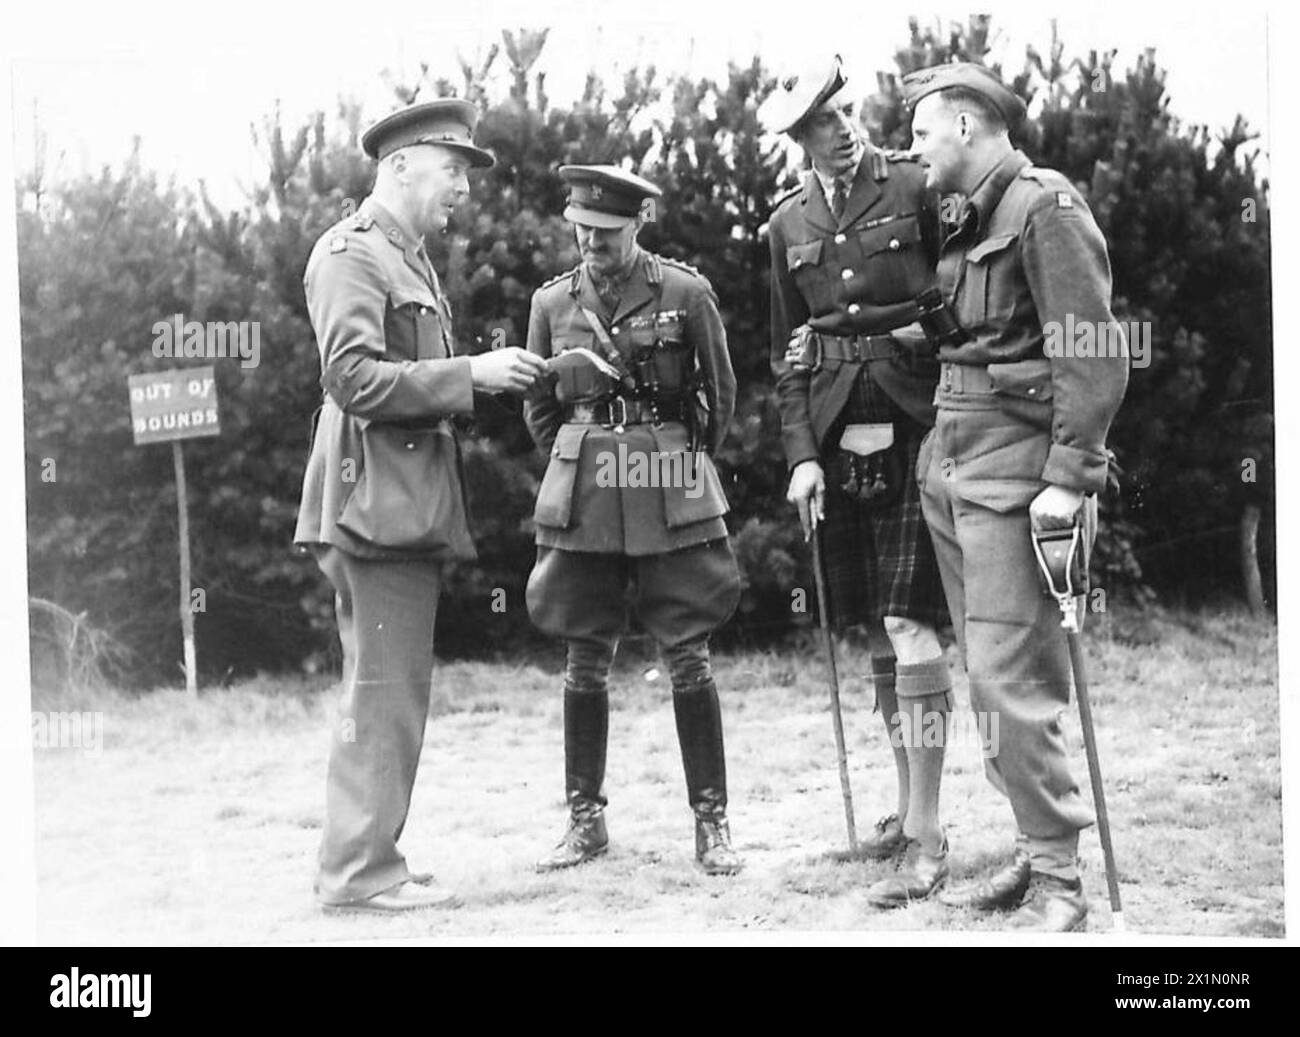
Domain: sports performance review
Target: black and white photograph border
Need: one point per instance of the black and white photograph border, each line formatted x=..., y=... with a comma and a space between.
x=166, y=769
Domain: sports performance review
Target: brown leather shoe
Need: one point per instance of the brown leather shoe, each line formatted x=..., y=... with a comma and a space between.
x=1051, y=905
x=1001, y=891
x=713, y=850
x=885, y=839
x=917, y=876
x=407, y=896
x=584, y=839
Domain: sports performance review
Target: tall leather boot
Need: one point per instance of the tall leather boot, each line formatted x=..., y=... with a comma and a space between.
x=586, y=732
x=699, y=732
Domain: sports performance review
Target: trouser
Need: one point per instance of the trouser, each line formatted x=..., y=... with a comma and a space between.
x=386, y=612
x=680, y=597
x=979, y=469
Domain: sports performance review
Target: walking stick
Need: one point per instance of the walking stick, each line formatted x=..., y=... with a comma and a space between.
x=837, y=717
x=1057, y=551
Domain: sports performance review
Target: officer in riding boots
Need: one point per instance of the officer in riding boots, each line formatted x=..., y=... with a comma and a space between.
x=630, y=510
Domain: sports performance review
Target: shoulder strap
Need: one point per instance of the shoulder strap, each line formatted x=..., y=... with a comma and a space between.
x=607, y=346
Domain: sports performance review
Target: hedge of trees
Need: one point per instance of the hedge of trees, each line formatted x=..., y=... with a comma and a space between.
x=103, y=257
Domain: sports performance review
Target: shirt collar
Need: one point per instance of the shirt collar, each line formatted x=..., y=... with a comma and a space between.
x=986, y=195
x=846, y=178
x=620, y=279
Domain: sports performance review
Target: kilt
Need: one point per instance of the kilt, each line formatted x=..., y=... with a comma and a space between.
x=879, y=560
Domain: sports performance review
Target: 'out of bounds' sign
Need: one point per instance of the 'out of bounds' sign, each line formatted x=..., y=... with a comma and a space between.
x=177, y=404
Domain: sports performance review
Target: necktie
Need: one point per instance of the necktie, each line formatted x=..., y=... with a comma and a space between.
x=609, y=293
x=839, y=199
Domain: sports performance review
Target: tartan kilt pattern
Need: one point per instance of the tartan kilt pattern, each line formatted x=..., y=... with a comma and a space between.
x=879, y=561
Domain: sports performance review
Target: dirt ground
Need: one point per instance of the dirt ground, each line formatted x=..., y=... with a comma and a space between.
x=197, y=823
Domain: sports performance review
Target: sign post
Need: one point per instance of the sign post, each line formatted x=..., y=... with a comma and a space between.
x=171, y=406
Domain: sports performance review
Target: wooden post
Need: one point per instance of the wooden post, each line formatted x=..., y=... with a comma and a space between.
x=172, y=406
x=1250, y=559
x=187, y=613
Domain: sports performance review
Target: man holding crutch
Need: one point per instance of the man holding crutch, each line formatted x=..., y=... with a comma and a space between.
x=1018, y=444
x=852, y=248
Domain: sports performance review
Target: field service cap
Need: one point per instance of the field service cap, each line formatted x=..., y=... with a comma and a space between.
x=797, y=95
x=926, y=81
x=449, y=122
x=605, y=196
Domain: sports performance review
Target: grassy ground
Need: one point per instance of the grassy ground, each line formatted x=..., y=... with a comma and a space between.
x=198, y=821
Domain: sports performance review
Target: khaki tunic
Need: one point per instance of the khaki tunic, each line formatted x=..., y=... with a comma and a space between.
x=859, y=275
x=576, y=509
x=384, y=477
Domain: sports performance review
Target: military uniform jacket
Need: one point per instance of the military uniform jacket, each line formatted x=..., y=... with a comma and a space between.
x=384, y=476
x=859, y=275
x=1029, y=257
x=577, y=508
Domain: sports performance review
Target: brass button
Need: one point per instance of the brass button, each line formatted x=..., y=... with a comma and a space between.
x=410, y=444
x=845, y=274
x=895, y=244
x=615, y=331
x=1031, y=391
x=854, y=308
x=840, y=239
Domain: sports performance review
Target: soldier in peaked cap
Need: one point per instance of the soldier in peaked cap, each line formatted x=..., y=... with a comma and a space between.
x=1019, y=443
x=383, y=507
x=852, y=249
x=630, y=509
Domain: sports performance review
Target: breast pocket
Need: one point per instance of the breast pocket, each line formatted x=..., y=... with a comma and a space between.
x=810, y=276
x=413, y=328
x=988, y=289
x=893, y=262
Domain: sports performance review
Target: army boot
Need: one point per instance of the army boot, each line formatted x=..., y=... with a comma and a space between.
x=699, y=731
x=584, y=839
x=586, y=732
x=713, y=849
x=1001, y=891
x=1051, y=905
x=917, y=876
x=884, y=840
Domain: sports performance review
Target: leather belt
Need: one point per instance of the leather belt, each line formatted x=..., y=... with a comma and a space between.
x=965, y=378
x=857, y=349
x=622, y=410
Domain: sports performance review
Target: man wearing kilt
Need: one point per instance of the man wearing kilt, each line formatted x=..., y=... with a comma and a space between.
x=852, y=248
